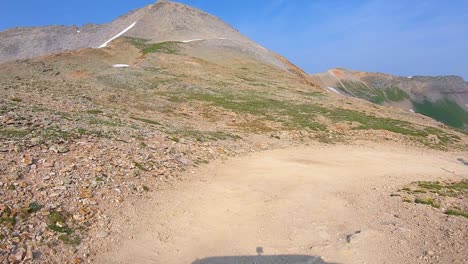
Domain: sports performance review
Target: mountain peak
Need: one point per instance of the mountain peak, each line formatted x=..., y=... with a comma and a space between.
x=159, y=22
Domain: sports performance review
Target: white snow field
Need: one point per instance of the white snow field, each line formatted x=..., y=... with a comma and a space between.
x=334, y=90
x=120, y=65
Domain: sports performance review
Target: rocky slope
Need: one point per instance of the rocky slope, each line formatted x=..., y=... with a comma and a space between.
x=444, y=98
x=87, y=130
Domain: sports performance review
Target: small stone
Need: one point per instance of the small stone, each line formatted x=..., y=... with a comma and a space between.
x=17, y=255
x=86, y=193
x=27, y=160
x=45, y=212
x=49, y=163
x=29, y=253
x=430, y=253
x=59, y=149
x=183, y=161
x=102, y=234
x=36, y=141
x=67, y=181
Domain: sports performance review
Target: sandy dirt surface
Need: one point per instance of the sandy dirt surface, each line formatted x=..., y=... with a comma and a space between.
x=328, y=201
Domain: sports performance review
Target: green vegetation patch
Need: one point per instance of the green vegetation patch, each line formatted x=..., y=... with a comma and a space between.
x=377, y=123
x=445, y=111
x=456, y=212
x=14, y=133
x=200, y=136
x=148, y=121
x=169, y=47
x=291, y=115
x=361, y=90
x=34, y=207
x=94, y=112
x=68, y=239
x=427, y=201
x=54, y=133
x=448, y=194
x=453, y=189
x=305, y=116
x=395, y=94
x=139, y=166
x=57, y=223
x=7, y=217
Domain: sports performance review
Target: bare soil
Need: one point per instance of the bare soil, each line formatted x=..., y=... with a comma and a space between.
x=329, y=201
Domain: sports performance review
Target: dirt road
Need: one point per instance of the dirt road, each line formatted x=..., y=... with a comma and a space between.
x=327, y=201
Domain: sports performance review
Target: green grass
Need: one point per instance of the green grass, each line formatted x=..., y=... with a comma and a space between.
x=139, y=166
x=427, y=201
x=169, y=47
x=14, y=133
x=376, y=123
x=445, y=111
x=291, y=115
x=34, y=207
x=7, y=217
x=310, y=93
x=456, y=212
x=56, y=222
x=395, y=94
x=443, y=136
x=94, y=112
x=453, y=189
x=105, y=122
x=374, y=95
x=148, y=121
x=55, y=133
x=360, y=90
x=304, y=116
x=200, y=136
x=70, y=240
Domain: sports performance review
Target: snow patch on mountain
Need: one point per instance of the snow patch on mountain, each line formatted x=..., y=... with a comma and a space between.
x=191, y=40
x=118, y=35
x=334, y=90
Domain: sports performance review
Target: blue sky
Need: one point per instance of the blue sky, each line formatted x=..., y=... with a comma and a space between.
x=416, y=37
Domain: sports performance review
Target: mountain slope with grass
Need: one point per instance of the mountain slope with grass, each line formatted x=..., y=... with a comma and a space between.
x=444, y=98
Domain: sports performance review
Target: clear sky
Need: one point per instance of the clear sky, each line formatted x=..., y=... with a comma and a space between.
x=402, y=37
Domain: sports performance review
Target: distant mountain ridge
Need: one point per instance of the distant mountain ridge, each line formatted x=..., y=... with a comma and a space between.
x=444, y=98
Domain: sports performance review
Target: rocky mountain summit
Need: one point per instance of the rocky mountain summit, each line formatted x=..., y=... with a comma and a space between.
x=156, y=23
x=97, y=119
x=444, y=98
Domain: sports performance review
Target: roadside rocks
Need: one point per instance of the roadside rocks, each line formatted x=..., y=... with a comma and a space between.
x=52, y=196
x=59, y=149
x=17, y=255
